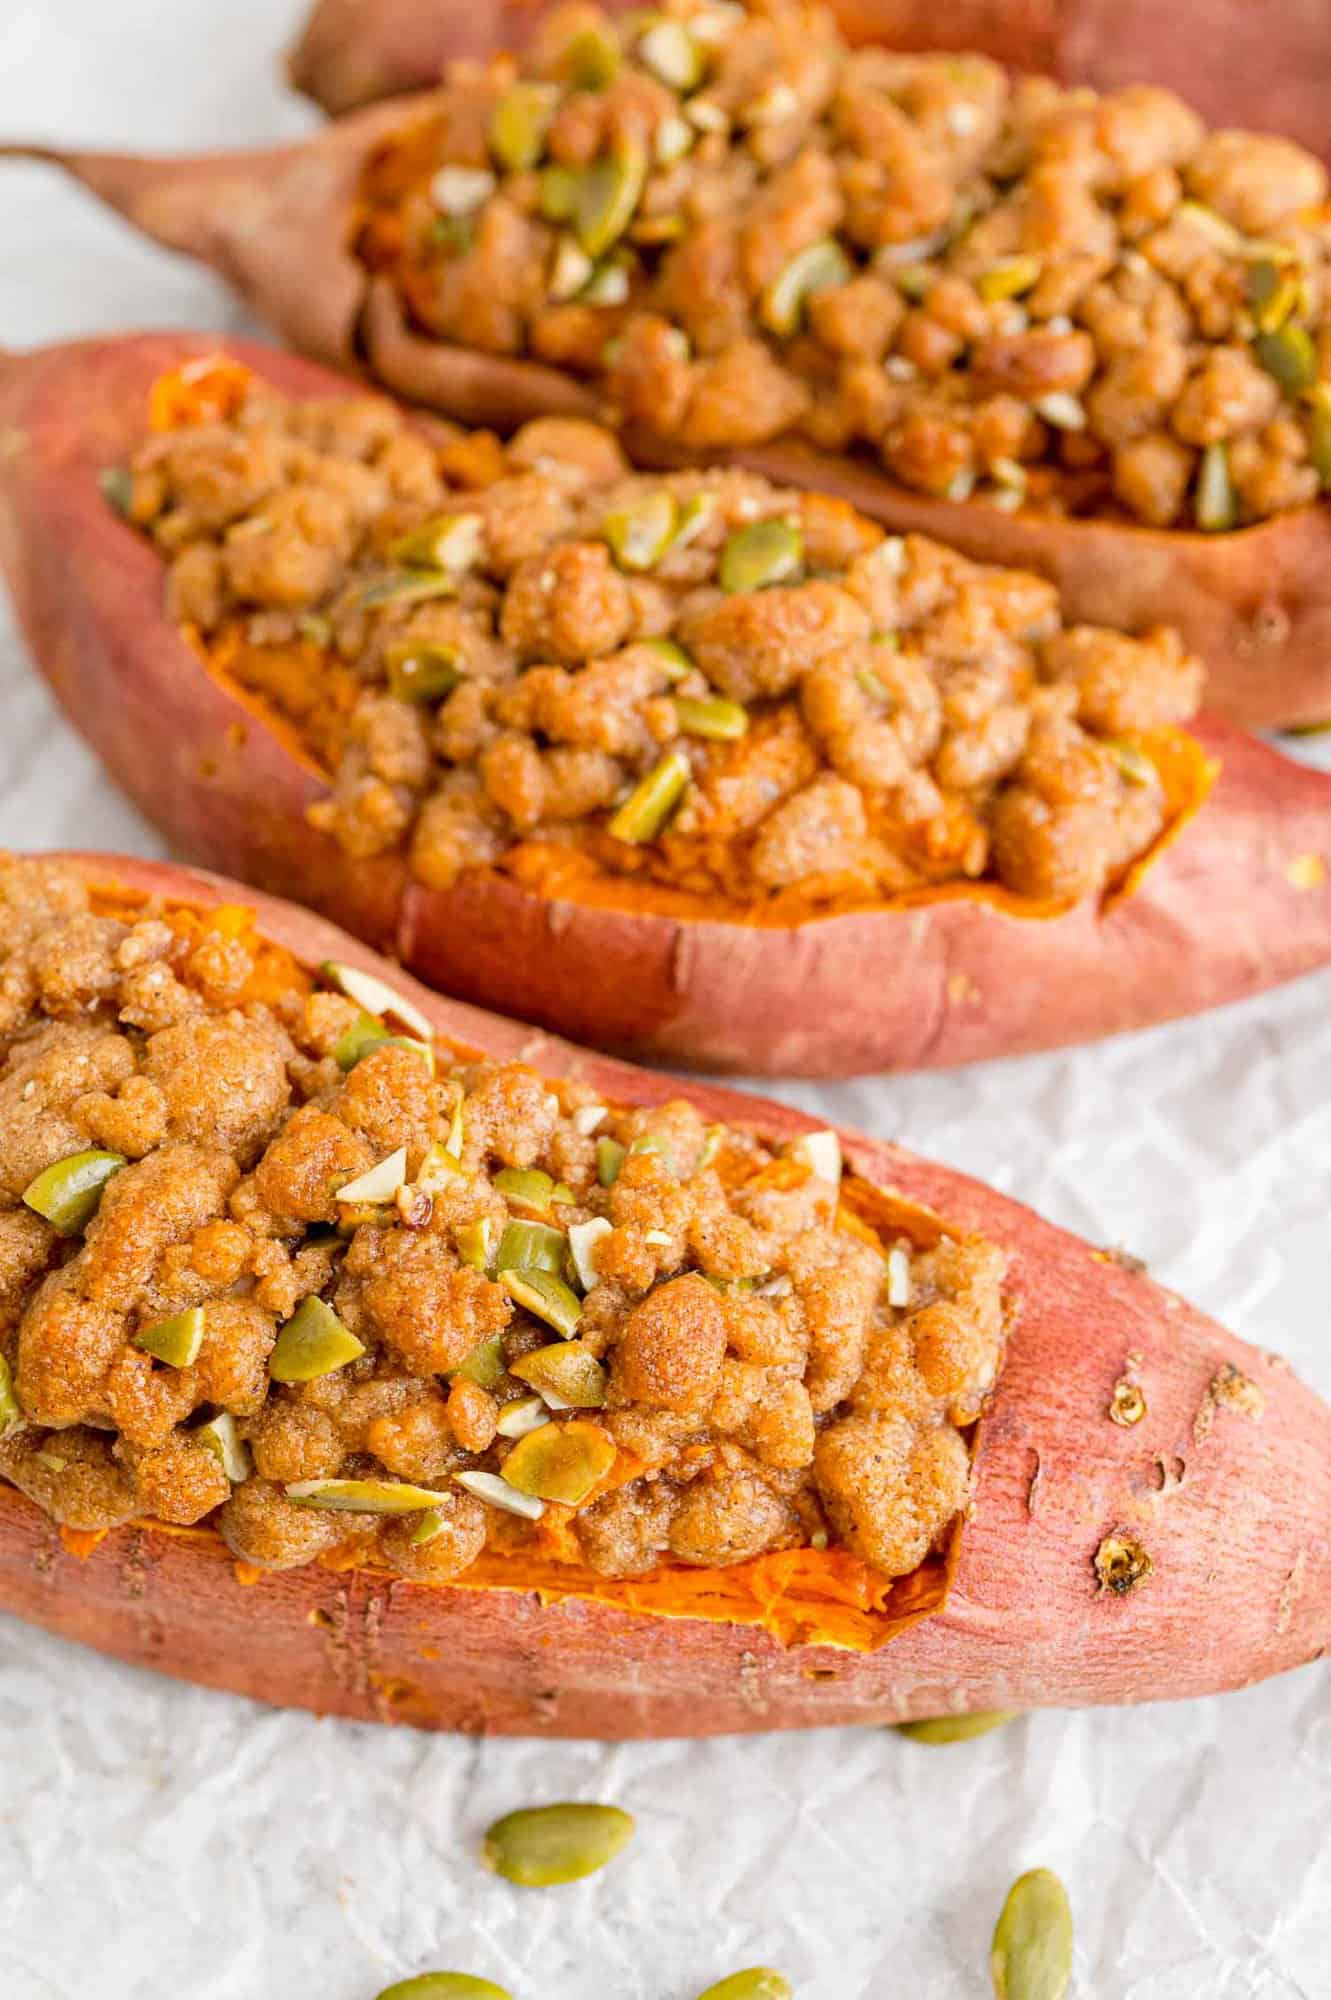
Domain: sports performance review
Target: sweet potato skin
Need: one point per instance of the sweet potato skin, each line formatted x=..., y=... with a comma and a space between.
x=1238, y=63
x=1229, y=1495
x=1240, y=901
x=1256, y=603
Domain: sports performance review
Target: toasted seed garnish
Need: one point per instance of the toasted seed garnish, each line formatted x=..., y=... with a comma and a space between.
x=546, y=1296
x=516, y=1420
x=607, y=195
x=562, y=1462
x=519, y=123
x=1216, y=502
x=711, y=716
x=312, y=1343
x=476, y=1243
x=364, y=1496
x=540, y=1846
x=484, y=1365
x=758, y=1982
x=651, y=803
x=530, y=1188
x=67, y=1193
x=1127, y=1405
x=375, y=995
x=1121, y=1563
x=765, y=552
x=583, y=1238
x=1031, y=1955
x=445, y=1986
x=175, y=1341
x=497, y=1492
x=956, y=1728
x=814, y=269
x=640, y=532
x=11, y=1416
x=421, y=673
x=220, y=1436
x=531, y=1246
x=609, y=1160
x=1289, y=356
x=378, y=1183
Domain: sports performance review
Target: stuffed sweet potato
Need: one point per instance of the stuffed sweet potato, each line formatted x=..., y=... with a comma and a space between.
x=1086, y=335
x=822, y=879
x=1239, y=64
x=366, y=1352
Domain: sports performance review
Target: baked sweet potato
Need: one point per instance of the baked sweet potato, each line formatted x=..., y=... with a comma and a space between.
x=1175, y=1549
x=1239, y=64
x=1234, y=898
x=281, y=226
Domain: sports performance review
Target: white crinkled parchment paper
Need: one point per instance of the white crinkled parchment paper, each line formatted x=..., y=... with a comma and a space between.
x=156, y=1839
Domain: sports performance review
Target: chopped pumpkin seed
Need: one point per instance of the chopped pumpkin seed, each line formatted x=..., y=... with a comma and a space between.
x=567, y=1374
x=816, y=268
x=313, y=1342
x=174, y=1341
x=363, y=1496
x=560, y=1462
x=67, y=1193
x=651, y=803
x=763, y=553
x=484, y=1365
x=546, y=1296
x=496, y=1492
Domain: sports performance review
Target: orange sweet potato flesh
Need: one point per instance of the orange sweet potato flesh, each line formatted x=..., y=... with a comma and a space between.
x=279, y=225
x=1225, y=1485
x=1265, y=64
x=1237, y=900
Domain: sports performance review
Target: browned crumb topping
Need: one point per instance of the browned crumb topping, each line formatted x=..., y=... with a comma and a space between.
x=619, y=1337
x=528, y=657
x=739, y=227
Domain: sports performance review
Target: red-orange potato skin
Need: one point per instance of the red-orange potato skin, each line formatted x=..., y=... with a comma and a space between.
x=1265, y=64
x=1233, y=1509
x=1239, y=901
x=279, y=226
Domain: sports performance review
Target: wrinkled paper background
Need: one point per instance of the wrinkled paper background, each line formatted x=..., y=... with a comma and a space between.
x=156, y=1839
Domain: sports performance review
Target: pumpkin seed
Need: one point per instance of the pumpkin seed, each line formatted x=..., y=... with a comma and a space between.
x=363, y=1035
x=765, y=552
x=570, y=269
x=955, y=1728
x=1008, y=278
x=375, y=995
x=1133, y=763
x=531, y=1246
x=527, y=1414
x=11, y=1415
x=497, y=1492
x=1289, y=356
x=530, y=1187
x=608, y=192
x=475, y=1241
x=814, y=269
x=898, y=1277
x=175, y=1341
x=445, y=1986
x=567, y=1374
x=712, y=717
x=484, y=1365
x=653, y=801
x=559, y=193
x=674, y=58
x=675, y=662
x=451, y=542
x=67, y=1193
x=1217, y=502
x=418, y=672
x=1031, y=1955
x=406, y=586
x=364, y=1496
x=640, y=533
x=547, y=1296
x=609, y=283
x=583, y=1238
x=609, y=1160
x=519, y=123
x=592, y=59
x=1319, y=431
x=439, y=1169
x=1272, y=293
x=759, y=1982
x=220, y=1436
x=540, y=1846
x=562, y=1462
x=379, y=1182
x=313, y=1342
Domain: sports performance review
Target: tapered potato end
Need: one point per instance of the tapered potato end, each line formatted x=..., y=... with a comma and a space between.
x=1176, y=1555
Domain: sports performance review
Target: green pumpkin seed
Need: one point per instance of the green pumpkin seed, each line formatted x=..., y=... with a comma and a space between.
x=1134, y=764
x=175, y=1341
x=1319, y=431
x=559, y=193
x=955, y=1728
x=592, y=59
x=313, y=1343
x=609, y=1160
x=1217, y=503
x=1008, y=278
x=519, y=124
x=408, y=586
x=531, y=1188
x=1289, y=355
x=608, y=192
x=445, y=1986
x=1031, y=1955
x=484, y=1365
x=544, y=1845
x=418, y=672
x=547, y=1297
x=759, y=1982
x=813, y=269
x=1272, y=293
x=475, y=1241
x=640, y=533
x=652, y=802
x=364, y=1496
x=561, y=1462
x=765, y=552
x=565, y=1373
x=712, y=716
x=675, y=662
x=669, y=51
x=583, y=1238
x=450, y=542
x=220, y=1436
x=531, y=1246
x=117, y=484
x=68, y=1192
x=362, y=1036
x=11, y=1415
